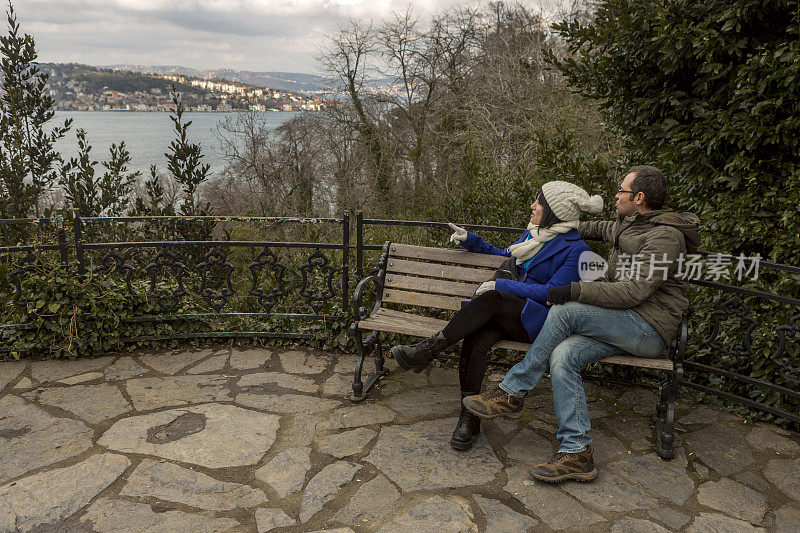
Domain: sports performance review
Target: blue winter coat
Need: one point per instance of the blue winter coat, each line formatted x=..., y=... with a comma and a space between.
x=556, y=264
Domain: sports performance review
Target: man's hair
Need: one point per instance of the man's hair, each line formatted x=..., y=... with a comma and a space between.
x=652, y=183
x=548, y=217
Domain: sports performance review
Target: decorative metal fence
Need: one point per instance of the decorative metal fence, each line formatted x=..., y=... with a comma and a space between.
x=744, y=342
x=197, y=280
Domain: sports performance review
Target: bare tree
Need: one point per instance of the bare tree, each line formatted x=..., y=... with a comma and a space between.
x=297, y=162
x=246, y=185
x=344, y=162
x=346, y=59
x=458, y=117
x=272, y=172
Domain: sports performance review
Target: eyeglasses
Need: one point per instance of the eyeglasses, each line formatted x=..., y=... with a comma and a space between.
x=624, y=191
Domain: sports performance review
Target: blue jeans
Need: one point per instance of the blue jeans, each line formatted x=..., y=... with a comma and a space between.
x=572, y=336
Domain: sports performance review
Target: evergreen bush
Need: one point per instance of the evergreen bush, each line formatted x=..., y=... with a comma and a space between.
x=707, y=91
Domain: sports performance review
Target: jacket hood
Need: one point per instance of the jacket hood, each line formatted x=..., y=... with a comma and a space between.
x=685, y=222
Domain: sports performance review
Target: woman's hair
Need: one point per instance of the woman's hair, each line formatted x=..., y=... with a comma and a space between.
x=548, y=217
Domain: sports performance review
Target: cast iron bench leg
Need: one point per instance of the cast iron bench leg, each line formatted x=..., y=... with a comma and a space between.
x=663, y=421
x=365, y=347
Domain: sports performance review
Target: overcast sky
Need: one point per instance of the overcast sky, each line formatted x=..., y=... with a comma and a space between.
x=257, y=35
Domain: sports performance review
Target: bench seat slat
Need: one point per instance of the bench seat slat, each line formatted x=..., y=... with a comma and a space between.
x=435, y=286
x=392, y=321
x=384, y=321
x=432, y=270
x=445, y=255
x=659, y=363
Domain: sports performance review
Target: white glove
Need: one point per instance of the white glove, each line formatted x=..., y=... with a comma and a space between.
x=459, y=234
x=485, y=286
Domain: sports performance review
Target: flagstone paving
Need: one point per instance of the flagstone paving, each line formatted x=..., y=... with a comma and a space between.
x=253, y=439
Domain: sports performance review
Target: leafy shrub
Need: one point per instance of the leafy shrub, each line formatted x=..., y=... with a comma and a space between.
x=703, y=89
x=73, y=316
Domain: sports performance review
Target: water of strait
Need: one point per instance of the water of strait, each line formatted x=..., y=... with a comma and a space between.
x=147, y=135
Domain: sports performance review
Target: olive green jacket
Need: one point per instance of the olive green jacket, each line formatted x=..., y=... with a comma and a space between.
x=646, y=245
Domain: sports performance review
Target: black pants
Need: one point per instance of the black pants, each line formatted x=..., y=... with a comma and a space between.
x=488, y=318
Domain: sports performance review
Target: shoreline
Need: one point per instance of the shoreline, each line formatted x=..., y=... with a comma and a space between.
x=185, y=110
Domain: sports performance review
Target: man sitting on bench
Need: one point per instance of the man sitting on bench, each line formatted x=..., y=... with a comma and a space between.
x=635, y=308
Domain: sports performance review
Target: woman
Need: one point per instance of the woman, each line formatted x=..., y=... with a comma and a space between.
x=546, y=256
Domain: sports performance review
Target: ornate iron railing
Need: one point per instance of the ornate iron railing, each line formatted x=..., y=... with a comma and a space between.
x=743, y=342
x=313, y=280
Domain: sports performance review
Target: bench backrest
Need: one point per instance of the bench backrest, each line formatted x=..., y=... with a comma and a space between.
x=439, y=278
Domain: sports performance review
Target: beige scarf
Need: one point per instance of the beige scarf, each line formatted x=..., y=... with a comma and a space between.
x=527, y=249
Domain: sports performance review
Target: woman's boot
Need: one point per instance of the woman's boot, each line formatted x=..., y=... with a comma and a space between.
x=467, y=430
x=418, y=356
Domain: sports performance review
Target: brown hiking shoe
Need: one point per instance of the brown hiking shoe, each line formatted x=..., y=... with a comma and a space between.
x=494, y=403
x=564, y=466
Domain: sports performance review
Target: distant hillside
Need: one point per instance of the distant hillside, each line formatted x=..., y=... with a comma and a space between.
x=92, y=80
x=76, y=87
x=291, y=81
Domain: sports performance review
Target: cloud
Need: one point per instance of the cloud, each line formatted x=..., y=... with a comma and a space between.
x=241, y=34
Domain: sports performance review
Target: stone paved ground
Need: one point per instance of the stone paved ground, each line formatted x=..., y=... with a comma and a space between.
x=252, y=440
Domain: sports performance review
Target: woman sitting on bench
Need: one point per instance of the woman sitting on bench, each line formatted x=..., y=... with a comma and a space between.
x=514, y=304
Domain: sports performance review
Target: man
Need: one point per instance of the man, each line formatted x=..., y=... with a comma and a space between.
x=636, y=308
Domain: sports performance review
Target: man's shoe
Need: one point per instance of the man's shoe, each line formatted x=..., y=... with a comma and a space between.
x=418, y=356
x=466, y=432
x=494, y=403
x=563, y=466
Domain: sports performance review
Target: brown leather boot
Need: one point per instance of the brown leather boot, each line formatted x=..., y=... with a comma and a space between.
x=563, y=466
x=494, y=403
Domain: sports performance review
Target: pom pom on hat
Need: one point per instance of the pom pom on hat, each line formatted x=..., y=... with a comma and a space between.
x=567, y=200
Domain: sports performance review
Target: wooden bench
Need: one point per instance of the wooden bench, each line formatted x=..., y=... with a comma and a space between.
x=441, y=278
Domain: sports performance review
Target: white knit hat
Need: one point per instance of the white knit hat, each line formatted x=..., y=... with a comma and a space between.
x=567, y=200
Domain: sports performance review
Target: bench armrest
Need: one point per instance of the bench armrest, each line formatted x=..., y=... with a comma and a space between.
x=360, y=312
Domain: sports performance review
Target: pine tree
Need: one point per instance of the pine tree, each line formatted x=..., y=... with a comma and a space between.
x=183, y=162
x=116, y=185
x=27, y=155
